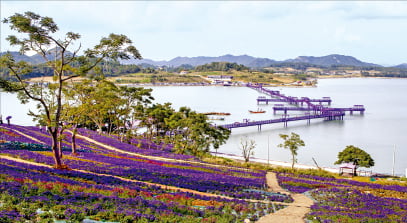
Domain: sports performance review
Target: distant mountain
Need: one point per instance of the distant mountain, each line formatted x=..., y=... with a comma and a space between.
x=248, y=61
x=19, y=57
x=333, y=59
x=261, y=62
x=402, y=66
x=36, y=58
x=196, y=61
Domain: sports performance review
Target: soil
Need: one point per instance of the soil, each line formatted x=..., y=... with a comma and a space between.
x=293, y=213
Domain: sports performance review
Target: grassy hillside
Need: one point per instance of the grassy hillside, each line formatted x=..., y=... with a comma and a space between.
x=162, y=77
x=114, y=181
x=108, y=180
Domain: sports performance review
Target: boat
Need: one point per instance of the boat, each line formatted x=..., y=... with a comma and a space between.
x=216, y=113
x=258, y=111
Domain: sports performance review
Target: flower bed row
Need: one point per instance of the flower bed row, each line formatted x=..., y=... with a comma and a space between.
x=351, y=205
x=342, y=200
x=155, y=172
x=202, y=178
x=140, y=146
x=9, y=135
x=31, y=193
x=117, y=144
x=303, y=183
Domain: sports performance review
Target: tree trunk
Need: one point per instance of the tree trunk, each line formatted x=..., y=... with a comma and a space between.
x=60, y=143
x=55, y=150
x=73, y=138
x=292, y=166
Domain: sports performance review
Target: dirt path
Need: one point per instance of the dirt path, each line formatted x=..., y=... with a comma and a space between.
x=153, y=157
x=25, y=135
x=165, y=187
x=162, y=186
x=299, y=200
x=293, y=213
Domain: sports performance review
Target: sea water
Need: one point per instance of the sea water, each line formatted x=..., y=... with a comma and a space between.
x=380, y=131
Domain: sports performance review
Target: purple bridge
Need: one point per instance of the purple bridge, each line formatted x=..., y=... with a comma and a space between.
x=313, y=111
x=336, y=115
x=355, y=108
x=298, y=101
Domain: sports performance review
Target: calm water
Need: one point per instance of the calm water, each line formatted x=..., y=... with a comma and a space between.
x=377, y=131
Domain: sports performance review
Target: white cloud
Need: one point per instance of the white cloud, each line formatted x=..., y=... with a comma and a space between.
x=342, y=34
x=375, y=10
x=274, y=29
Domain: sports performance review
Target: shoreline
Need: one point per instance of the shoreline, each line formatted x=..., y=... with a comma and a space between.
x=275, y=162
x=286, y=85
x=288, y=164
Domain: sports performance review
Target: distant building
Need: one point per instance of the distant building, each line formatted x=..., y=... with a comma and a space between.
x=220, y=79
x=183, y=72
x=347, y=169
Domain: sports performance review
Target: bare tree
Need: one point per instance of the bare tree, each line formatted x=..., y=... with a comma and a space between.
x=247, y=146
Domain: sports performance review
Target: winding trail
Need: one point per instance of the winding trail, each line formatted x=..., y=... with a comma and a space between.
x=294, y=213
x=300, y=201
x=23, y=134
x=155, y=157
x=165, y=187
x=162, y=186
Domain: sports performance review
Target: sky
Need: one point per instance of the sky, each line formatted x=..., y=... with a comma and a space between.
x=371, y=31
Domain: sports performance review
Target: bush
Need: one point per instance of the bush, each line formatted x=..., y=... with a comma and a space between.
x=313, y=172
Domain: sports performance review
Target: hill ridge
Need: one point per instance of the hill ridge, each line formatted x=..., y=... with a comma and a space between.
x=246, y=60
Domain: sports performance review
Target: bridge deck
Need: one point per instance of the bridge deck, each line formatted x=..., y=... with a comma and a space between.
x=319, y=111
x=316, y=109
x=326, y=116
x=298, y=101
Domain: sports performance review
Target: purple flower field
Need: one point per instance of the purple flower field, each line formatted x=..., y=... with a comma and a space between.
x=342, y=200
x=32, y=192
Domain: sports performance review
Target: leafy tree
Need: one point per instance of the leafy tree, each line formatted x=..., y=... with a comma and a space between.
x=75, y=111
x=221, y=66
x=355, y=155
x=247, y=146
x=73, y=115
x=154, y=119
x=292, y=143
x=189, y=131
x=195, y=135
x=38, y=34
x=132, y=97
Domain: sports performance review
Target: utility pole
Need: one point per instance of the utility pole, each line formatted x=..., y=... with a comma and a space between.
x=268, y=150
